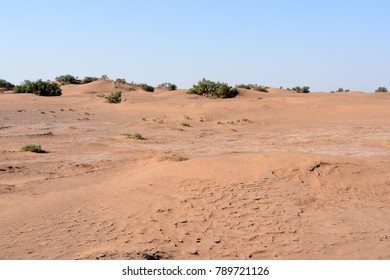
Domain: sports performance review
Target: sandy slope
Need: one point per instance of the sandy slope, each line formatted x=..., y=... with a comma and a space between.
x=264, y=176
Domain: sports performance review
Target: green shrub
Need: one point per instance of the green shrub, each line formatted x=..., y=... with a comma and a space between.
x=304, y=89
x=253, y=87
x=381, y=89
x=119, y=81
x=136, y=136
x=185, y=124
x=4, y=85
x=35, y=148
x=146, y=87
x=104, y=77
x=260, y=88
x=115, y=97
x=87, y=80
x=168, y=86
x=67, y=80
x=243, y=86
x=342, y=90
x=213, y=89
x=39, y=87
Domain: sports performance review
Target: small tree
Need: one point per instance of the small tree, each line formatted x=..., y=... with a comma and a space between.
x=213, y=89
x=167, y=86
x=4, y=85
x=104, y=77
x=381, y=89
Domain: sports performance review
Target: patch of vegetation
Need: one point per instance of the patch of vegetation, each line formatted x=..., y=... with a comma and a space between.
x=261, y=88
x=158, y=120
x=21, y=110
x=104, y=77
x=51, y=111
x=135, y=136
x=304, y=89
x=381, y=89
x=187, y=117
x=213, y=89
x=67, y=80
x=341, y=90
x=253, y=87
x=168, y=86
x=245, y=86
x=146, y=87
x=119, y=81
x=185, y=124
x=87, y=80
x=4, y=85
x=205, y=119
x=87, y=113
x=169, y=154
x=115, y=97
x=35, y=148
x=245, y=120
x=39, y=87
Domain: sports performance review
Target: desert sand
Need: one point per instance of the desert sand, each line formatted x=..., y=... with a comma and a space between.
x=275, y=175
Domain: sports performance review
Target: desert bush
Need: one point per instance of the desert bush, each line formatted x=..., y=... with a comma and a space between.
x=4, y=85
x=87, y=80
x=213, y=89
x=35, y=148
x=67, y=80
x=104, y=77
x=119, y=81
x=146, y=87
x=342, y=90
x=135, y=136
x=260, y=88
x=253, y=87
x=381, y=89
x=39, y=87
x=115, y=97
x=168, y=86
x=244, y=86
x=304, y=89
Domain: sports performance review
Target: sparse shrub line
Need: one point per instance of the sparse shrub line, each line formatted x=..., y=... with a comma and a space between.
x=253, y=87
x=304, y=89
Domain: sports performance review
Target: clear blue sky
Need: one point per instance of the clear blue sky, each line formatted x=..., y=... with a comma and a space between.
x=324, y=44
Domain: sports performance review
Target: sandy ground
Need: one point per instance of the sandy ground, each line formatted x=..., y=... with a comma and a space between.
x=262, y=176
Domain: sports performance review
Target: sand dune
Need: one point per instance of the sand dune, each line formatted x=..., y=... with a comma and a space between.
x=271, y=175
